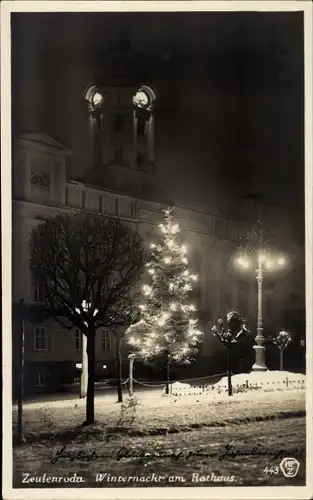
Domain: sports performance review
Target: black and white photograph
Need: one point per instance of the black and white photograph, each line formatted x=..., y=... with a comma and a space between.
x=156, y=182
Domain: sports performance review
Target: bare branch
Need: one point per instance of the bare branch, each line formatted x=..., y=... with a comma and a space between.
x=78, y=257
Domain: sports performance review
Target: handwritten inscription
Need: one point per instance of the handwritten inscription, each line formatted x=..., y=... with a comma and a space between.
x=228, y=451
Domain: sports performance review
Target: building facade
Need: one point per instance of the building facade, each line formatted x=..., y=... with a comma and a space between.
x=41, y=190
x=120, y=140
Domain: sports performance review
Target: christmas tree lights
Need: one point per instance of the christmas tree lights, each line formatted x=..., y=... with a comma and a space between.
x=166, y=331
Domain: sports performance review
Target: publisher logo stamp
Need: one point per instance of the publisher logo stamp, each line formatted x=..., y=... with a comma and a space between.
x=289, y=467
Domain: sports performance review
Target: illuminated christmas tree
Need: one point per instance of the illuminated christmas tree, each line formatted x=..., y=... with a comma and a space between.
x=166, y=330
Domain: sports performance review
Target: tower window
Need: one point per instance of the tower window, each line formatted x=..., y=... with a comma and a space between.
x=95, y=98
x=144, y=98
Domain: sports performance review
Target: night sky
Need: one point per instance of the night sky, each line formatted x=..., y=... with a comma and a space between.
x=235, y=79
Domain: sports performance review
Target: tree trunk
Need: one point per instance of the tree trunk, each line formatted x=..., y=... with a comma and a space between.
x=167, y=386
x=230, y=388
x=281, y=359
x=90, y=404
x=118, y=359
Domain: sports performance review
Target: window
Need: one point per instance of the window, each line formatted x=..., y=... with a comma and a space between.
x=106, y=340
x=116, y=206
x=133, y=208
x=144, y=98
x=84, y=199
x=41, y=180
x=40, y=379
x=78, y=340
x=38, y=294
x=95, y=98
x=40, y=338
x=100, y=203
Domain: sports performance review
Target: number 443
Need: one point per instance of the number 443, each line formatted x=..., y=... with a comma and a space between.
x=274, y=469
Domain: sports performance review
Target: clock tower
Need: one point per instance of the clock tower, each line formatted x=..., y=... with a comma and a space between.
x=120, y=105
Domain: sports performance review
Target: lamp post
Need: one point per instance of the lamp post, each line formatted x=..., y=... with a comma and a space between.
x=259, y=348
x=131, y=358
x=303, y=356
x=264, y=262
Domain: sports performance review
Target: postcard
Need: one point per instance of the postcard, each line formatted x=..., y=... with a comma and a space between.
x=156, y=194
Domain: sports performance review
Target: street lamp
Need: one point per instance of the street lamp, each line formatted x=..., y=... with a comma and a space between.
x=265, y=262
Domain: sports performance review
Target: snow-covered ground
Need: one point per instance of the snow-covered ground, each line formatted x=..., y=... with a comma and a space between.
x=267, y=381
x=266, y=378
x=157, y=411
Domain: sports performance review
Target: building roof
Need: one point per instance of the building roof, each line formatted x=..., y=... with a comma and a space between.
x=44, y=140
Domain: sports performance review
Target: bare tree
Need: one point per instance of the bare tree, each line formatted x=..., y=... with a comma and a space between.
x=88, y=265
x=282, y=341
x=234, y=333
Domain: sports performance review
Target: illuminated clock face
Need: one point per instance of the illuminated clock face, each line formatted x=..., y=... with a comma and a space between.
x=97, y=99
x=141, y=99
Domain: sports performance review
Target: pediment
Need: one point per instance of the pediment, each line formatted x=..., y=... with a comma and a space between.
x=44, y=140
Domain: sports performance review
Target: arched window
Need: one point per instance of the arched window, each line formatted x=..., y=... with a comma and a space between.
x=144, y=98
x=143, y=103
x=95, y=98
x=40, y=180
